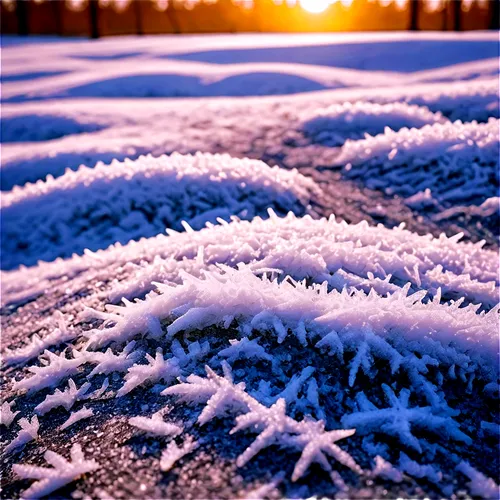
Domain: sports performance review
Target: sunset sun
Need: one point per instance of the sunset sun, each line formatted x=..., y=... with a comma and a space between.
x=315, y=6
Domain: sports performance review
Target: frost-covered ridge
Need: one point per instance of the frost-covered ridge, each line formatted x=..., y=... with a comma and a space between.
x=458, y=162
x=357, y=256
x=336, y=123
x=93, y=208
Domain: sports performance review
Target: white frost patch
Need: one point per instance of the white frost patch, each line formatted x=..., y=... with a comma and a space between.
x=76, y=416
x=173, y=453
x=66, y=398
x=7, y=416
x=62, y=472
x=28, y=432
x=336, y=123
x=456, y=161
x=479, y=484
x=156, y=425
x=96, y=207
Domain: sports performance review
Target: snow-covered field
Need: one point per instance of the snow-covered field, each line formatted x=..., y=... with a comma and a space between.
x=250, y=266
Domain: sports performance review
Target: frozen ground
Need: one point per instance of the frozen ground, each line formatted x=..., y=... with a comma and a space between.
x=331, y=352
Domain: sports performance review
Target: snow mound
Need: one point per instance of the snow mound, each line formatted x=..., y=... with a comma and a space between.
x=331, y=126
x=465, y=101
x=36, y=127
x=457, y=162
x=93, y=208
x=355, y=256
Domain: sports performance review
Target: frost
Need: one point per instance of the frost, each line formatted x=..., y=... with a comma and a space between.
x=244, y=348
x=55, y=368
x=356, y=256
x=95, y=207
x=336, y=123
x=399, y=419
x=76, y=417
x=108, y=362
x=420, y=471
x=155, y=425
x=7, y=416
x=37, y=344
x=173, y=453
x=157, y=369
x=219, y=393
x=223, y=397
x=479, y=484
x=386, y=470
x=62, y=472
x=66, y=398
x=28, y=432
x=456, y=161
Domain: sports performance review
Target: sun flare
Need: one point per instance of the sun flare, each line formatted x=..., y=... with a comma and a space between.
x=315, y=6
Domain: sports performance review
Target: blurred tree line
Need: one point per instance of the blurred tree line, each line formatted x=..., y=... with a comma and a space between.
x=97, y=18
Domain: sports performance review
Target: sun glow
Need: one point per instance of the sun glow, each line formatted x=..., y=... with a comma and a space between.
x=315, y=6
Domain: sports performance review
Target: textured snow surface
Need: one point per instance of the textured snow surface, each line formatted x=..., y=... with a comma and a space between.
x=92, y=208
x=355, y=256
x=457, y=162
x=200, y=320
x=333, y=125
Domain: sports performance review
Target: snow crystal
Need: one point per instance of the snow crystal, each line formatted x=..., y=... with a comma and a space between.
x=173, y=453
x=386, y=470
x=222, y=397
x=76, y=416
x=244, y=348
x=54, y=369
x=155, y=425
x=37, y=345
x=457, y=161
x=7, y=416
x=399, y=418
x=66, y=399
x=28, y=432
x=333, y=125
x=157, y=369
x=479, y=484
x=62, y=472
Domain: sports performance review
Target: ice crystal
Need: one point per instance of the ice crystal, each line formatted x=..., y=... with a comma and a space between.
x=155, y=425
x=66, y=398
x=173, y=453
x=76, y=416
x=55, y=368
x=37, y=344
x=419, y=471
x=7, y=416
x=108, y=362
x=455, y=161
x=157, y=369
x=479, y=484
x=244, y=348
x=28, y=432
x=62, y=472
x=386, y=470
x=399, y=419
